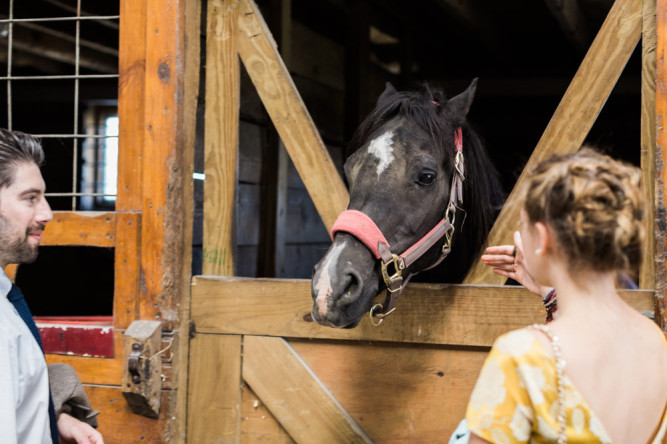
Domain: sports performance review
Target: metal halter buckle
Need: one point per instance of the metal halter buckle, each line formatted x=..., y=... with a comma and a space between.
x=398, y=270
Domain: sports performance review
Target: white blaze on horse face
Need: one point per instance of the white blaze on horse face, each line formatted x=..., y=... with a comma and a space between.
x=323, y=284
x=382, y=148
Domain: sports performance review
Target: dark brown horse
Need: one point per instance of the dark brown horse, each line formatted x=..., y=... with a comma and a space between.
x=404, y=167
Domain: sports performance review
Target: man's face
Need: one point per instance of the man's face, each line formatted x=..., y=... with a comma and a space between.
x=24, y=212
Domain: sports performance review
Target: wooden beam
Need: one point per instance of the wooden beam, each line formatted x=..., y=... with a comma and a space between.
x=660, y=162
x=177, y=428
x=427, y=313
x=572, y=21
x=647, y=269
x=223, y=95
x=214, y=389
x=289, y=115
x=83, y=228
x=127, y=269
x=163, y=173
x=131, y=101
x=575, y=114
x=300, y=402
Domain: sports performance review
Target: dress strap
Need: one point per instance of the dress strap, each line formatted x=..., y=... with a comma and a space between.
x=560, y=369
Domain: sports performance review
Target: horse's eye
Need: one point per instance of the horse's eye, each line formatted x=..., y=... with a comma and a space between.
x=426, y=179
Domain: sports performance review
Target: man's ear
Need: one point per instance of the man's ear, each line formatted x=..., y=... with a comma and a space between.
x=389, y=90
x=460, y=105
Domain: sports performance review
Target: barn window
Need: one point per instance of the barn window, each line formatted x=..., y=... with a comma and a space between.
x=59, y=81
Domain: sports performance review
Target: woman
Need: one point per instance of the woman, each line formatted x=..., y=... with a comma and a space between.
x=581, y=224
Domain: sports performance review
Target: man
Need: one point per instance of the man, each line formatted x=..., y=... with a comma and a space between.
x=26, y=410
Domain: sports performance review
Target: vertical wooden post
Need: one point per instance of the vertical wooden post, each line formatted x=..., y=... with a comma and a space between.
x=223, y=93
x=131, y=101
x=647, y=269
x=660, y=161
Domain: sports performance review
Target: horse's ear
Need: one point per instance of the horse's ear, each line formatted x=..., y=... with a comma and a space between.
x=460, y=105
x=389, y=90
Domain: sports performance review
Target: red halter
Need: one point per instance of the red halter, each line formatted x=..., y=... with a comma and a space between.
x=363, y=228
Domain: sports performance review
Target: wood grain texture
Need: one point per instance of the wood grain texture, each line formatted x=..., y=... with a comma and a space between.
x=303, y=406
x=289, y=115
x=177, y=429
x=83, y=228
x=162, y=205
x=127, y=269
x=223, y=95
x=647, y=269
x=258, y=424
x=131, y=101
x=426, y=313
x=214, y=392
x=661, y=161
x=575, y=114
x=117, y=423
x=398, y=393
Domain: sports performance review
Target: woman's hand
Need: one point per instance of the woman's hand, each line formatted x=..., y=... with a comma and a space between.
x=508, y=261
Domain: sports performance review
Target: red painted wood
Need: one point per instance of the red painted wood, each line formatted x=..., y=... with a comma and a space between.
x=82, y=336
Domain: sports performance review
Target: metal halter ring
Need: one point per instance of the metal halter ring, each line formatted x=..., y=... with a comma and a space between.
x=377, y=318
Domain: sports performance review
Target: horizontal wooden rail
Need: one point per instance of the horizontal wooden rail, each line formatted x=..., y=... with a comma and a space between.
x=81, y=228
x=471, y=315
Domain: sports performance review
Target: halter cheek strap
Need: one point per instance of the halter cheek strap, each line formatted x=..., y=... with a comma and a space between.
x=363, y=228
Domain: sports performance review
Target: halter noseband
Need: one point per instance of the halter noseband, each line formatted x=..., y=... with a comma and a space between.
x=363, y=228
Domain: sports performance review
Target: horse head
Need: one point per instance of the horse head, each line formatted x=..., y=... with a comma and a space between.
x=406, y=179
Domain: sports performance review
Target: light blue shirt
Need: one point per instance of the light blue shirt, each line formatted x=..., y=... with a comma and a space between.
x=24, y=379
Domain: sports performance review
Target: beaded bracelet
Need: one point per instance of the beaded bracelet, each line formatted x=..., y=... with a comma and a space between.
x=550, y=303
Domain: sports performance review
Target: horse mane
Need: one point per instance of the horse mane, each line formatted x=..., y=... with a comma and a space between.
x=482, y=193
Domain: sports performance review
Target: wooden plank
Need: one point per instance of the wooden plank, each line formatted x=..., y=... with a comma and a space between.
x=575, y=114
x=426, y=313
x=660, y=162
x=302, y=405
x=178, y=364
x=398, y=393
x=81, y=228
x=117, y=423
x=214, y=391
x=289, y=115
x=258, y=424
x=131, y=101
x=126, y=269
x=96, y=371
x=162, y=206
x=647, y=269
x=223, y=95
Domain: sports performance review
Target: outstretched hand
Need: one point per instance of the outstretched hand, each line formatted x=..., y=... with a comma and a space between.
x=71, y=430
x=508, y=261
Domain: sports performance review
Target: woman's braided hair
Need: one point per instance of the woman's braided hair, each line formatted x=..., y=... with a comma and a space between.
x=594, y=206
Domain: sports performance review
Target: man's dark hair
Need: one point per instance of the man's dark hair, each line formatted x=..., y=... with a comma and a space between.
x=17, y=148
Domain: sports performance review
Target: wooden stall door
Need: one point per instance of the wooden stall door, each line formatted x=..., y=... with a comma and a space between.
x=259, y=370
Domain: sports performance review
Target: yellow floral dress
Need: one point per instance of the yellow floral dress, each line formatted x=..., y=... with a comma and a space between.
x=515, y=399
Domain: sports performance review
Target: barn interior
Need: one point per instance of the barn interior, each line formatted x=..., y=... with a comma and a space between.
x=61, y=80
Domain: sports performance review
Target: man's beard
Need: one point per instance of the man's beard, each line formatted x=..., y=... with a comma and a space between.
x=17, y=250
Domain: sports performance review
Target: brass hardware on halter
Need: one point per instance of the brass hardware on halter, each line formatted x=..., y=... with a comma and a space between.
x=377, y=318
x=398, y=270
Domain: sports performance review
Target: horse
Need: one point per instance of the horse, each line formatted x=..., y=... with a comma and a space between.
x=417, y=173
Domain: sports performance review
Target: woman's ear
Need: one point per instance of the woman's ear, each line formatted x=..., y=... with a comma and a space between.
x=543, y=237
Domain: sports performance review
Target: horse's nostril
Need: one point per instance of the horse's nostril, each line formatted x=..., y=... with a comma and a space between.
x=352, y=290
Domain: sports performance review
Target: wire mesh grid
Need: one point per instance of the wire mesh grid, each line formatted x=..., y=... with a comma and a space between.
x=47, y=34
